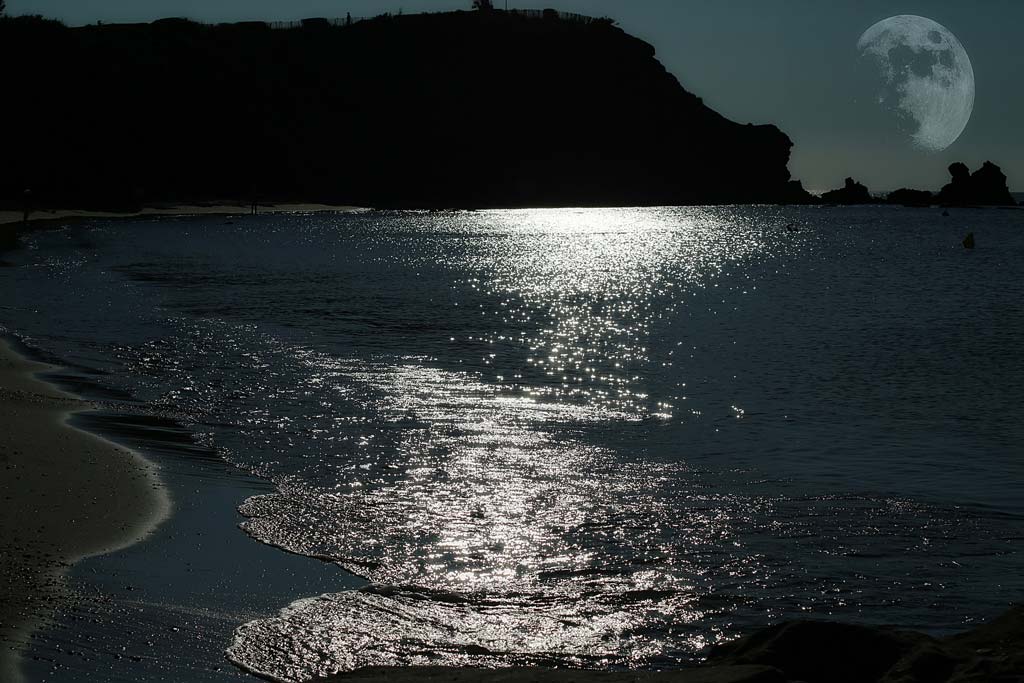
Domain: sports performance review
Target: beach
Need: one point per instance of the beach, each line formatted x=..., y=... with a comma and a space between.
x=67, y=495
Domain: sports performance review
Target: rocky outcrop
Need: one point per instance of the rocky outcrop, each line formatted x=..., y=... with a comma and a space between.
x=851, y=193
x=908, y=197
x=458, y=109
x=794, y=193
x=985, y=187
x=822, y=652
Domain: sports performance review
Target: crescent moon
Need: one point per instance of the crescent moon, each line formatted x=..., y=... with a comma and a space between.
x=931, y=73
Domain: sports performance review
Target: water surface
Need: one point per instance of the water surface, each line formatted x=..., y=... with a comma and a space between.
x=585, y=437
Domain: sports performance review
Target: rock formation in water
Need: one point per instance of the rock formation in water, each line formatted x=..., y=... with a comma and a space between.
x=851, y=193
x=908, y=197
x=985, y=187
x=460, y=109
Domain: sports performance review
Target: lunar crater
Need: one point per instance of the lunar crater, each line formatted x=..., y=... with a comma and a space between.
x=926, y=78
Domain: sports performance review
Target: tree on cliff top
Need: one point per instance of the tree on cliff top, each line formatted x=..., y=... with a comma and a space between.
x=482, y=5
x=3, y=7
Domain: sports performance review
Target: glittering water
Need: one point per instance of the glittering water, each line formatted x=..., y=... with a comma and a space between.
x=586, y=437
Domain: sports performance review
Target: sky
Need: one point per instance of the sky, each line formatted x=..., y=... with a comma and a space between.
x=793, y=63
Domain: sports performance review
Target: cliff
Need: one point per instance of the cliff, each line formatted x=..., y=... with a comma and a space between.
x=456, y=109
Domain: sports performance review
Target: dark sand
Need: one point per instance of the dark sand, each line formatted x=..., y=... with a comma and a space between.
x=723, y=674
x=65, y=495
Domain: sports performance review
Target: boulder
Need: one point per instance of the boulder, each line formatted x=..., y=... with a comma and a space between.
x=826, y=652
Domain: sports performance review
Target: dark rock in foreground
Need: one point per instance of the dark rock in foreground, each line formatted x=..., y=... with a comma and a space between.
x=908, y=197
x=822, y=652
x=851, y=193
x=985, y=187
x=464, y=109
x=802, y=651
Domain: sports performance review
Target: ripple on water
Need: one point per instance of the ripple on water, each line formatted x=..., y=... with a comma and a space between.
x=582, y=437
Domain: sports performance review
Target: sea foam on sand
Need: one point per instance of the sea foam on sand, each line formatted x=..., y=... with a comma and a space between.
x=64, y=495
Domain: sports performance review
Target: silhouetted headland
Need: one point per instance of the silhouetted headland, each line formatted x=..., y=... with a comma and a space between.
x=461, y=109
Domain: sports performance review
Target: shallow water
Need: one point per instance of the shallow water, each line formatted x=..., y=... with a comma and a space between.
x=594, y=437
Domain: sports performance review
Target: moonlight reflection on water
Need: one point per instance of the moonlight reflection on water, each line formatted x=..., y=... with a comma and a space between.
x=576, y=437
x=491, y=534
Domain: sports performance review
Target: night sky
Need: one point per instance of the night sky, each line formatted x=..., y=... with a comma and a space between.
x=789, y=62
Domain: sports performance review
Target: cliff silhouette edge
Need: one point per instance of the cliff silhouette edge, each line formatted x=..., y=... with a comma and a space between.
x=459, y=109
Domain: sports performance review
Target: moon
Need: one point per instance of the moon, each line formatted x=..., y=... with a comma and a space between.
x=927, y=78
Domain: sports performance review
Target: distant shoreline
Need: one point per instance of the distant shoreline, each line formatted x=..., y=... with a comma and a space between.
x=8, y=216
x=12, y=223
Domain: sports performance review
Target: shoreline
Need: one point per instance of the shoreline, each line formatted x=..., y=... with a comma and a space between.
x=85, y=496
x=8, y=217
x=168, y=604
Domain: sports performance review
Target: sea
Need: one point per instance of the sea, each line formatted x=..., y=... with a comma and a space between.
x=601, y=438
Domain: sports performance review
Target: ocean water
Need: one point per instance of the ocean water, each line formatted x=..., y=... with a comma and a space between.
x=601, y=438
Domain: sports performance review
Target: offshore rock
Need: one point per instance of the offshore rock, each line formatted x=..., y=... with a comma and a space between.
x=851, y=193
x=985, y=187
x=908, y=197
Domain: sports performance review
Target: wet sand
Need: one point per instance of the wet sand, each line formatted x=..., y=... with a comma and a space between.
x=64, y=495
x=793, y=652
x=723, y=674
